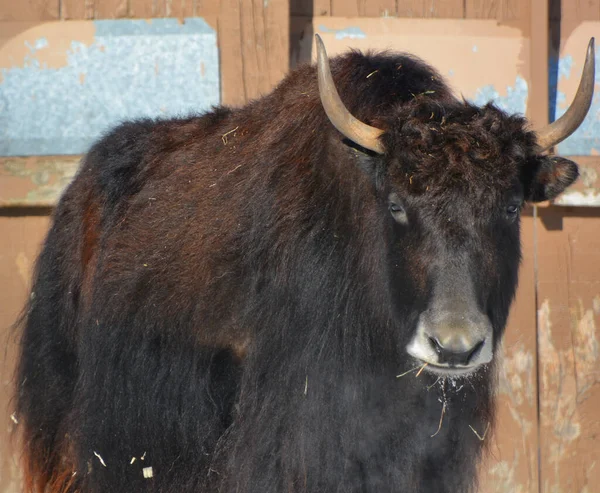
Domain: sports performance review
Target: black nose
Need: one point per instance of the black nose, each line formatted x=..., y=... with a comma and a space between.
x=455, y=351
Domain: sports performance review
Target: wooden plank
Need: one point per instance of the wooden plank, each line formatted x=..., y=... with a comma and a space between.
x=440, y=9
x=377, y=8
x=207, y=8
x=577, y=11
x=111, y=9
x=178, y=8
x=20, y=240
x=511, y=464
x=502, y=10
x=363, y=8
x=444, y=9
x=345, y=8
x=77, y=9
x=29, y=10
x=233, y=90
x=144, y=9
x=35, y=181
x=537, y=105
x=411, y=8
x=569, y=356
x=254, y=48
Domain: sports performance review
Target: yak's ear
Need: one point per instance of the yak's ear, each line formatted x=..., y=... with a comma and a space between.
x=548, y=176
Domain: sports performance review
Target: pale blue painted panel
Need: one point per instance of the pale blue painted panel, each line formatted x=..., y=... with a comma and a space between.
x=515, y=100
x=134, y=68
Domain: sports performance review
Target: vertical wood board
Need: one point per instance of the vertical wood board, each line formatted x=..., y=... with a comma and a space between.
x=20, y=240
x=29, y=10
x=253, y=48
x=569, y=353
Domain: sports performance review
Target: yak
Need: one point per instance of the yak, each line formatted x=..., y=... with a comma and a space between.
x=303, y=294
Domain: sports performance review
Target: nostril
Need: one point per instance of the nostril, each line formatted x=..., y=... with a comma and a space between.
x=475, y=351
x=436, y=345
x=455, y=354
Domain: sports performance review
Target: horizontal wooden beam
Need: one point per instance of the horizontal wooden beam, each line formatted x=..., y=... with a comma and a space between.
x=39, y=181
x=36, y=181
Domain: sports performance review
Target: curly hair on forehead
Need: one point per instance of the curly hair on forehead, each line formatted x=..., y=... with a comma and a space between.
x=457, y=146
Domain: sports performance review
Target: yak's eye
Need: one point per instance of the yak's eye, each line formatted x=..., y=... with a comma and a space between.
x=513, y=209
x=397, y=209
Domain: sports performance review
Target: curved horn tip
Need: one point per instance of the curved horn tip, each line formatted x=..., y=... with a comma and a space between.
x=559, y=130
x=339, y=116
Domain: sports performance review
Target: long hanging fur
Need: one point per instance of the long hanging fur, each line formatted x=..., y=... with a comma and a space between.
x=214, y=300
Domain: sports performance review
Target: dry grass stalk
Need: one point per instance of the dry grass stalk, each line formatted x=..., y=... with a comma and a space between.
x=481, y=438
x=100, y=458
x=407, y=372
x=441, y=419
x=422, y=368
x=438, y=379
x=224, y=136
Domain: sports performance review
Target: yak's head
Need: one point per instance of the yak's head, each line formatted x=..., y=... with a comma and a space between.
x=453, y=179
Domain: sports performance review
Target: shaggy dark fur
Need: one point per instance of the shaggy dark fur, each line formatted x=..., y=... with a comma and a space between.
x=227, y=299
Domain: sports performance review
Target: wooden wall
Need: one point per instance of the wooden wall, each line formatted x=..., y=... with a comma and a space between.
x=247, y=30
x=548, y=397
x=502, y=10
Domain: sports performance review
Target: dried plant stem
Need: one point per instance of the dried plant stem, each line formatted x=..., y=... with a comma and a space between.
x=422, y=368
x=438, y=379
x=407, y=372
x=441, y=419
x=481, y=438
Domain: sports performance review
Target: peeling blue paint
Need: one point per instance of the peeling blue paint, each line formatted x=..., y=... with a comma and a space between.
x=133, y=68
x=515, y=100
x=352, y=32
x=585, y=140
x=564, y=67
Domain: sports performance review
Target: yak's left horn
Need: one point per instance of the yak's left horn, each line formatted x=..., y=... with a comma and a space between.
x=563, y=127
x=352, y=128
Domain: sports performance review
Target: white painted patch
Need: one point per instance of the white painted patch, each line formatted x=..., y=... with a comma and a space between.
x=589, y=198
x=147, y=472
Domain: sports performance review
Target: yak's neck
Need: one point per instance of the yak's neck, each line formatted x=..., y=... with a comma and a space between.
x=307, y=426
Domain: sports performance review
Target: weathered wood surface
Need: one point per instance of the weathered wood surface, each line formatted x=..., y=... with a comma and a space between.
x=569, y=352
x=576, y=11
x=20, y=240
x=35, y=181
x=253, y=46
x=29, y=10
x=502, y=10
x=253, y=34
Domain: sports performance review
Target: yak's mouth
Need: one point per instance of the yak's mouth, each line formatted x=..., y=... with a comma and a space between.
x=449, y=370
